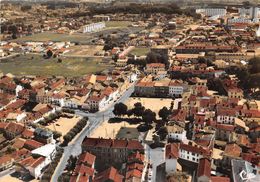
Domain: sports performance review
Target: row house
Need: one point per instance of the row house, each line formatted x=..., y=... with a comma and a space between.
x=224, y=131
x=160, y=88
x=145, y=89
x=110, y=174
x=196, y=49
x=134, y=170
x=176, y=88
x=190, y=152
x=154, y=68
x=236, y=93
x=84, y=170
x=193, y=153
x=111, y=150
x=101, y=101
x=11, y=130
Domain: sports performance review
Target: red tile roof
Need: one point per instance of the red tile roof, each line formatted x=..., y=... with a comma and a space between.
x=15, y=128
x=219, y=179
x=5, y=159
x=204, y=167
x=136, y=156
x=172, y=151
x=32, y=144
x=133, y=173
x=83, y=169
x=155, y=65
x=195, y=149
x=109, y=174
x=232, y=150
x=27, y=133
x=225, y=127
x=87, y=158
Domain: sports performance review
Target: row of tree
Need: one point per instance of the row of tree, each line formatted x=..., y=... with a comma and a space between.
x=48, y=119
x=139, y=111
x=249, y=76
x=75, y=130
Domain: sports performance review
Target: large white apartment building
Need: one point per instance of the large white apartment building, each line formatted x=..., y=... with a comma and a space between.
x=252, y=12
x=212, y=11
x=93, y=27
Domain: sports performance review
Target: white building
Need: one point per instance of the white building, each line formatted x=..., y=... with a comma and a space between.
x=225, y=119
x=239, y=20
x=47, y=153
x=96, y=103
x=252, y=12
x=176, y=89
x=93, y=27
x=191, y=152
x=212, y=11
x=176, y=132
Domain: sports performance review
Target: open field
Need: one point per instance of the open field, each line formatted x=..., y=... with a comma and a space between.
x=84, y=50
x=64, y=125
x=56, y=37
x=118, y=24
x=32, y=64
x=83, y=38
x=140, y=51
x=155, y=104
x=110, y=130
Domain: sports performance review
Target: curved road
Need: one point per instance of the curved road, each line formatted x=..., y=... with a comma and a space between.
x=95, y=119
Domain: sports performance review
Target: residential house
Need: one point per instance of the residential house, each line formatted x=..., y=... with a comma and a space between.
x=223, y=131
x=176, y=132
x=110, y=174
x=193, y=153
x=154, y=68
x=111, y=151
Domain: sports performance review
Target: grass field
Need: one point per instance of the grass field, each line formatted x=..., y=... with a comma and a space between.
x=74, y=37
x=56, y=37
x=140, y=51
x=36, y=65
x=118, y=24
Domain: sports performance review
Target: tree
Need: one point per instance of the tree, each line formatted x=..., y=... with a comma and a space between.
x=138, y=109
x=148, y=116
x=164, y=113
x=254, y=65
x=14, y=36
x=120, y=109
x=49, y=53
x=129, y=112
x=162, y=132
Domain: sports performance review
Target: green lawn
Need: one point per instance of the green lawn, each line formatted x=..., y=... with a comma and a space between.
x=36, y=65
x=56, y=37
x=140, y=51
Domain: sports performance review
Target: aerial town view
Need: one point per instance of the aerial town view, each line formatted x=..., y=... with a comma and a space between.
x=130, y=91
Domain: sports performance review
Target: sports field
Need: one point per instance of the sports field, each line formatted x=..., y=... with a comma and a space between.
x=32, y=64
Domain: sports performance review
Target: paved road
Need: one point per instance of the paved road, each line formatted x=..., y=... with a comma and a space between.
x=95, y=119
x=7, y=172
